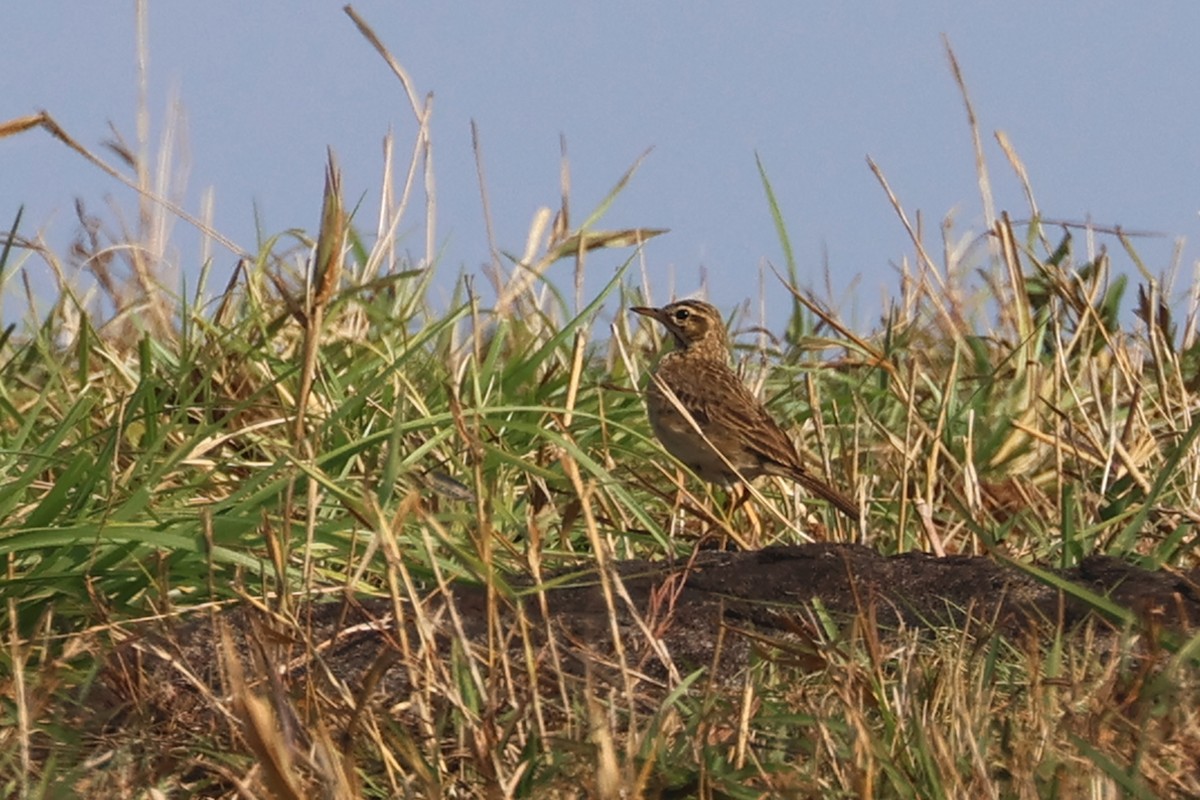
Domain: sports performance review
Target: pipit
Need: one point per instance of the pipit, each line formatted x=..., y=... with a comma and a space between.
x=730, y=436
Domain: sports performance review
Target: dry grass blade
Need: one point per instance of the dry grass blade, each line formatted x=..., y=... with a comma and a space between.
x=532, y=268
x=877, y=358
x=1018, y=167
x=44, y=120
x=331, y=240
x=596, y=240
x=493, y=249
x=423, y=113
x=260, y=726
x=326, y=273
x=21, y=124
x=981, y=171
x=1018, y=307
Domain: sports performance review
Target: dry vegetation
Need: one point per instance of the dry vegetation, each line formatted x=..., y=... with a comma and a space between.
x=322, y=429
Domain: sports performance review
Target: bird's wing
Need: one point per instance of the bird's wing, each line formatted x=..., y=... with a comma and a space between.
x=727, y=412
x=731, y=412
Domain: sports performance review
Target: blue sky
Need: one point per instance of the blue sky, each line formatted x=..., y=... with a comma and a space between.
x=1100, y=101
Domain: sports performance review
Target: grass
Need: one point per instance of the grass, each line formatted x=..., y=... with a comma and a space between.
x=322, y=427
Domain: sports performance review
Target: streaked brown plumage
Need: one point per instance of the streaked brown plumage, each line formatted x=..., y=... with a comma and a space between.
x=697, y=372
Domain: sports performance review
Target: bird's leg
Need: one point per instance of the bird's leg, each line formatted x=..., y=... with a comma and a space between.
x=739, y=495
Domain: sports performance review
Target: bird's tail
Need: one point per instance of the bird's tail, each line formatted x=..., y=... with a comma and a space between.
x=829, y=494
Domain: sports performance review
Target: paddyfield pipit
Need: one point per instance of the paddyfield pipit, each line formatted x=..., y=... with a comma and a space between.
x=730, y=435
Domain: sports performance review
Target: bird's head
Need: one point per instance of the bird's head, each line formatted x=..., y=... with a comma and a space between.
x=694, y=324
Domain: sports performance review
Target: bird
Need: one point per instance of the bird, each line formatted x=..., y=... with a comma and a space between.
x=731, y=437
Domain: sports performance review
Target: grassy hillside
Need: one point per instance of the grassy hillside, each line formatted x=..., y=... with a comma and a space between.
x=323, y=425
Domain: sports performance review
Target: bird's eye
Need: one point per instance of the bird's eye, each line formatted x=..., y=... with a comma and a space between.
x=682, y=314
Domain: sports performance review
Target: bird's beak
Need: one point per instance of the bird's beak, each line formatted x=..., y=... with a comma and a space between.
x=646, y=311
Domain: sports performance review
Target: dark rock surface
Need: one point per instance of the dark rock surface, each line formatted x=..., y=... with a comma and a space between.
x=663, y=621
